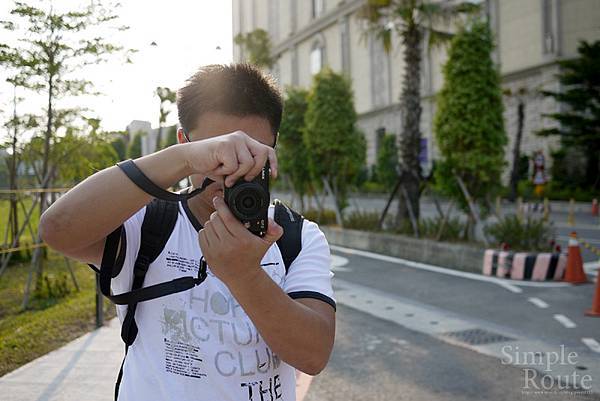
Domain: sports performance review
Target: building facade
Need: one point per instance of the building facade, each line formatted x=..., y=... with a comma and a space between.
x=531, y=36
x=149, y=134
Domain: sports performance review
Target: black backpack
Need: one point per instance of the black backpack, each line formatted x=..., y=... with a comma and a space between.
x=159, y=222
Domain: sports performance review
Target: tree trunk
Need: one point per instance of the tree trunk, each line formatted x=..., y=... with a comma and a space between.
x=336, y=206
x=514, y=175
x=389, y=202
x=12, y=177
x=410, y=141
x=46, y=178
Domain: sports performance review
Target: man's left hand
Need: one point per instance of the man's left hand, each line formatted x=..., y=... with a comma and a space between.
x=230, y=249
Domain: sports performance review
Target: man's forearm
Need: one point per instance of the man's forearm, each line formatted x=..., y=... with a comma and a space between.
x=99, y=204
x=297, y=334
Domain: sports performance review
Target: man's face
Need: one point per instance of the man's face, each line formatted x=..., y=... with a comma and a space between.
x=213, y=124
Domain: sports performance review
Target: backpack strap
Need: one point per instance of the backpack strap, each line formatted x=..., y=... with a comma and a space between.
x=290, y=242
x=159, y=222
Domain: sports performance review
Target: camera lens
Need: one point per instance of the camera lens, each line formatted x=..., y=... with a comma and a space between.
x=247, y=200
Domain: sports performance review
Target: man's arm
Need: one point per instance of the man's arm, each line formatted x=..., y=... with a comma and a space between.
x=300, y=332
x=78, y=222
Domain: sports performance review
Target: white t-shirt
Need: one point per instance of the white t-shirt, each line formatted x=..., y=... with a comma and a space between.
x=200, y=344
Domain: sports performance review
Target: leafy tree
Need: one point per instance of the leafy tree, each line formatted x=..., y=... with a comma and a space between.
x=135, y=146
x=579, y=123
x=293, y=154
x=468, y=125
x=337, y=148
x=258, y=46
x=166, y=96
x=11, y=162
x=86, y=153
x=520, y=96
x=119, y=143
x=52, y=47
x=412, y=20
x=387, y=161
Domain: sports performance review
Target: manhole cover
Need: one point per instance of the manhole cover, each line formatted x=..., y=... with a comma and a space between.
x=477, y=336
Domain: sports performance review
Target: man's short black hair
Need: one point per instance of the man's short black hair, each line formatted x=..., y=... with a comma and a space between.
x=236, y=89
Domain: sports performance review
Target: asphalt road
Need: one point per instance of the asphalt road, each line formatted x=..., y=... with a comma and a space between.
x=377, y=360
x=399, y=336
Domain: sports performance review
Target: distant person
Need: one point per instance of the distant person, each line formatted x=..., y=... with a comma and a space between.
x=240, y=334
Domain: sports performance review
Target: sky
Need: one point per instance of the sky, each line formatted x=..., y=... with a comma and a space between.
x=187, y=35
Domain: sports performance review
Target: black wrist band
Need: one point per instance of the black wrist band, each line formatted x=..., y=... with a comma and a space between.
x=145, y=184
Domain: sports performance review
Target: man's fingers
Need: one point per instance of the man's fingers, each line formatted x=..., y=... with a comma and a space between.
x=273, y=165
x=234, y=226
x=274, y=232
x=229, y=161
x=259, y=162
x=211, y=235
x=204, y=244
x=245, y=164
x=261, y=153
x=220, y=228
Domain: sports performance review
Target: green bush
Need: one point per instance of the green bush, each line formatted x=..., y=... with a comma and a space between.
x=326, y=218
x=374, y=187
x=429, y=228
x=387, y=161
x=556, y=190
x=525, y=189
x=453, y=230
x=52, y=287
x=362, y=220
x=529, y=234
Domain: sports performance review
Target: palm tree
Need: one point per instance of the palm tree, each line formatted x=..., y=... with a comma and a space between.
x=412, y=20
x=165, y=95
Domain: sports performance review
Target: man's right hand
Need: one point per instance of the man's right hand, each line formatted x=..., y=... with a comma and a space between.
x=230, y=157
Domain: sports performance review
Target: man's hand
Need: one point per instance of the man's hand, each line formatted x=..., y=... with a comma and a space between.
x=232, y=252
x=231, y=156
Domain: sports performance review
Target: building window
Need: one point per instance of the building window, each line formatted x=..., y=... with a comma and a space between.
x=295, y=78
x=379, y=73
x=317, y=8
x=345, y=43
x=548, y=39
x=316, y=58
x=274, y=19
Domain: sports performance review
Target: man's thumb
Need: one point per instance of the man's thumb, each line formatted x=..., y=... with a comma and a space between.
x=274, y=232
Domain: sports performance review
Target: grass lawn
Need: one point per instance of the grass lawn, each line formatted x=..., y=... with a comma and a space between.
x=4, y=214
x=50, y=321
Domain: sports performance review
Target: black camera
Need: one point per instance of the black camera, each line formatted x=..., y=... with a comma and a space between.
x=249, y=201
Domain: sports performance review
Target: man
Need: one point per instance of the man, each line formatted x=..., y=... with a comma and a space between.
x=241, y=333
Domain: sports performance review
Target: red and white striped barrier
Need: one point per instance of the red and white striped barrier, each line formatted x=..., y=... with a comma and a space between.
x=524, y=265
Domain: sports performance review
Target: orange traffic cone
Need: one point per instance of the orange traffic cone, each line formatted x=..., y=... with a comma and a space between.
x=595, y=311
x=574, y=273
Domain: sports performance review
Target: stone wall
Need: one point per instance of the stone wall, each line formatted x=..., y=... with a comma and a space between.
x=454, y=256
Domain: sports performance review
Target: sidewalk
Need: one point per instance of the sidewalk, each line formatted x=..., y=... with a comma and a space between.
x=84, y=369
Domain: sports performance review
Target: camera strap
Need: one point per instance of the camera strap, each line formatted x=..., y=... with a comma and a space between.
x=137, y=176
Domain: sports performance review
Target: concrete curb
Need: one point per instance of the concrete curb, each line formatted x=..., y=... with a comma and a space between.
x=455, y=256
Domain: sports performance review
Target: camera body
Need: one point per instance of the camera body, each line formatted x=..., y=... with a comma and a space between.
x=249, y=201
